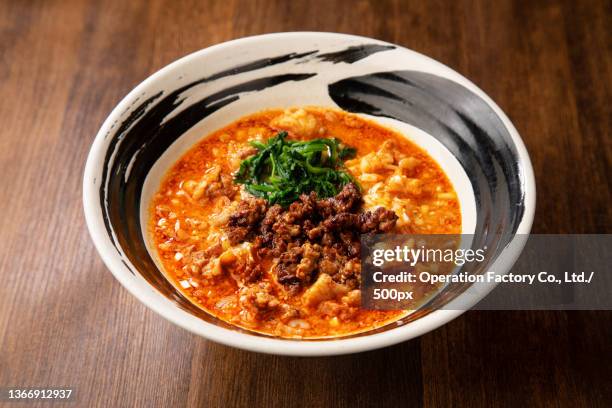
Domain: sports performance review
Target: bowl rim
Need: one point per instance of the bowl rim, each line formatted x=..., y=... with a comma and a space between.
x=274, y=345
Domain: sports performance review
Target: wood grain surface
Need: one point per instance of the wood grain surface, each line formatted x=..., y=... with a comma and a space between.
x=65, y=321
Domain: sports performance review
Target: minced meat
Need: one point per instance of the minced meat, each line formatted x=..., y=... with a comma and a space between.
x=311, y=236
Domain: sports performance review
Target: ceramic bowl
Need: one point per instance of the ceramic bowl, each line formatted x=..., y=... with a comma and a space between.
x=437, y=108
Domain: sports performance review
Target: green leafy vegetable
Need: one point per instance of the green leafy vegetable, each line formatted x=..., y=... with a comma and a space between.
x=283, y=169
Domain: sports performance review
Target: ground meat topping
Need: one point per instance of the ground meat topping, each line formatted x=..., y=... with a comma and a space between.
x=377, y=221
x=311, y=236
x=243, y=223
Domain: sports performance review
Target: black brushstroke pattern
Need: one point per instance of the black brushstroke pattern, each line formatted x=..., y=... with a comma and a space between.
x=252, y=66
x=119, y=135
x=354, y=53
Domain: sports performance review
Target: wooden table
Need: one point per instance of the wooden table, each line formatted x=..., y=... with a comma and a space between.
x=65, y=321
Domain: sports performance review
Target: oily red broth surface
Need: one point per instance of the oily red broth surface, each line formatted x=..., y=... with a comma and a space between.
x=189, y=218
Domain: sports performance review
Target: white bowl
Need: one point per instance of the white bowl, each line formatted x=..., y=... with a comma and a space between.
x=457, y=123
